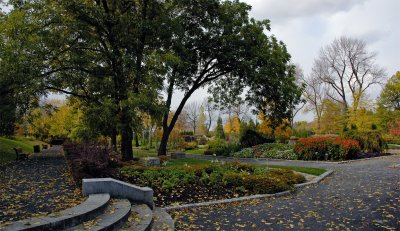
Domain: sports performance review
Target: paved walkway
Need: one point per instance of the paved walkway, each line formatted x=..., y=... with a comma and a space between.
x=362, y=195
x=37, y=186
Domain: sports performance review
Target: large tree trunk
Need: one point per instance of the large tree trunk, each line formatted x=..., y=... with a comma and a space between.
x=126, y=136
x=168, y=128
x=162, y=150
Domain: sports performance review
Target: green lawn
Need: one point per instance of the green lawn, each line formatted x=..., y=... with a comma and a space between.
x=7, y=152
x=195, y=151
x=311, y=171
x=144, y=153
x=187, y=161
x=393, y=146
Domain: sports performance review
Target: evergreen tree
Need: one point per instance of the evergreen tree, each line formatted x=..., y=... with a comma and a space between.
x=219, y=130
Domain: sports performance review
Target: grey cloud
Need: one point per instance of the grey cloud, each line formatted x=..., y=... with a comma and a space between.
x=284, y=10
x=373, y=36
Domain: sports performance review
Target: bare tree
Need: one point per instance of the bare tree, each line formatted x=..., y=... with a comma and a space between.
x=348, y=70
x=192, y=111
x=314, y=93
x=299, y=75
x=209, y=109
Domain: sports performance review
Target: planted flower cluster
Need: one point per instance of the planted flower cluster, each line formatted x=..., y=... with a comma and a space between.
x=268, y=150
x=319, y=148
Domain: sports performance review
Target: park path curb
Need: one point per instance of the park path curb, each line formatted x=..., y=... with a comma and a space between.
x=204, y=157
x=260, y=196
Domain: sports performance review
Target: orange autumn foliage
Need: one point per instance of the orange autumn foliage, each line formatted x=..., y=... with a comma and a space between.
x=282, y=132
x=232, y=125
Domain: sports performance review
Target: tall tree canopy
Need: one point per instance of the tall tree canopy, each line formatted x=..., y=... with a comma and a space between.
x=97, y=51
x=119, y=55
x=390, y=95
x=218, y=44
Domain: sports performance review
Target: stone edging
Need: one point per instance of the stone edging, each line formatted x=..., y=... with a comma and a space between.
x=246, y=198
x=267, y=159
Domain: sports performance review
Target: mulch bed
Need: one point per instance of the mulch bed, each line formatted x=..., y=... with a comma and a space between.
x=35, y=187
x=191, y=194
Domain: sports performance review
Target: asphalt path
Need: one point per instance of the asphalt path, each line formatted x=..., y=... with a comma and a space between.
x=361, y=195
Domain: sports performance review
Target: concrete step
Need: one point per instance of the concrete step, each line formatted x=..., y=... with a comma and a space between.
x=162, y=221
x=140, y=218
x=113, y=217
x=89, y=209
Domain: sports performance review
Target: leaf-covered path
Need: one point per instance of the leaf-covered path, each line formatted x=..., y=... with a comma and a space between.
x=36, y=186
x=363, y=195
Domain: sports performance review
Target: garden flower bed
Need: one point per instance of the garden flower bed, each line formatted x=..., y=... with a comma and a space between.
x=268, y=150
x=198, y=183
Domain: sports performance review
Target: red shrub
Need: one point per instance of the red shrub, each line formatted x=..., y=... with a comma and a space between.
x=315, y=148
x=90, y=160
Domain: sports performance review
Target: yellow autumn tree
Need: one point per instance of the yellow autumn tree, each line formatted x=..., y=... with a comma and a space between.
x=175, y=138
x=232, y=128
x=282, y=132
x=332, y=118
x=232, y=125
x=62, y=121
x=363, y=119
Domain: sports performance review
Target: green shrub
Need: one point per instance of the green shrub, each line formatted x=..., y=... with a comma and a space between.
x=239, y=176
x=244, y=153
x=250, y=138
x=268, y=150
x=275, y=180
x=222, y=148
x=369, y=141
x=234, y=178
x=190, y=145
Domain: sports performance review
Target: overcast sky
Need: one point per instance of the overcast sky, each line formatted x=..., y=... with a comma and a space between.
x=307, y=25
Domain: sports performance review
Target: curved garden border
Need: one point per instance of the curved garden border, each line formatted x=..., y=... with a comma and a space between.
x=246, y=198
x=206, y=157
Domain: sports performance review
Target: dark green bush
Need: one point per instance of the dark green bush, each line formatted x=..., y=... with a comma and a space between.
x=235, y=175
x=272, y=181
x=268, y=150
x=250, y=138
x=222, y=148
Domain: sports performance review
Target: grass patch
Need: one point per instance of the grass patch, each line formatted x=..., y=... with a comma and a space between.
x=393, y=146
x=307, y=170
x=187, y=162
x=143, y=153
x=195, y=151
x=7, y=152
